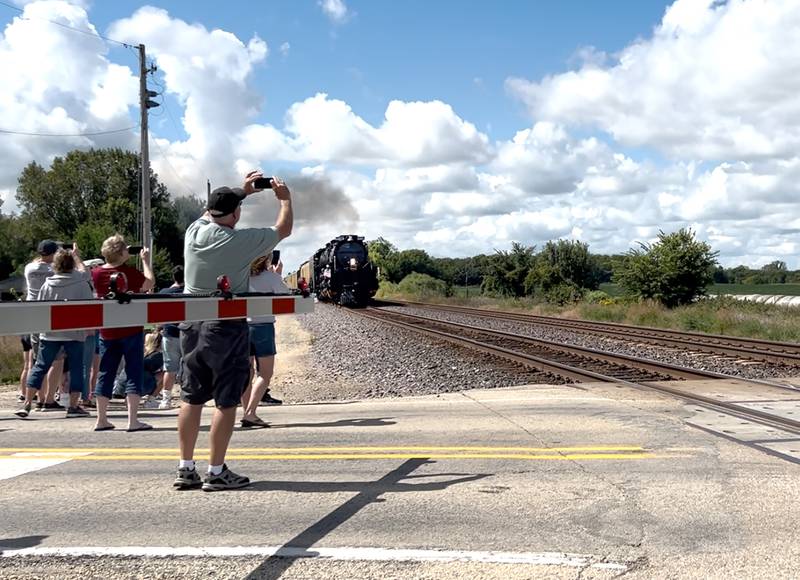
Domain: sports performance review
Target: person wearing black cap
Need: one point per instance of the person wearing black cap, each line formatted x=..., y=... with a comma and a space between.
x=216, y=353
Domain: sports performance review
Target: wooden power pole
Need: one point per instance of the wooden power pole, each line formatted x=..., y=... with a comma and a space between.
x=144, y=104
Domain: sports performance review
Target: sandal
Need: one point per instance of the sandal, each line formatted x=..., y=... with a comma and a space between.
x=247, y=423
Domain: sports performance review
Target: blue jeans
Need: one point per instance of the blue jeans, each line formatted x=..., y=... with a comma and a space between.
x=88, y=358
x=131, y=348
x=48, y=351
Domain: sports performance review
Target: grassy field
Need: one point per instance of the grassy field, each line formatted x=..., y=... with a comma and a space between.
x=717, y=289
x=716, y=315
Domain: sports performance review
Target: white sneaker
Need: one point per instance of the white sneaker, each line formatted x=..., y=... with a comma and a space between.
x=165, y=404
x=150, y=404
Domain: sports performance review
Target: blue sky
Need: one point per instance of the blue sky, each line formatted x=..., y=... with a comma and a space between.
x=456, y=51
x=454, y=127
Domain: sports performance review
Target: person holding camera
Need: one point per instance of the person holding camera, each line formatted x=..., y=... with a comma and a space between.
x=265, y=276
x=216, y=352
x=121, y=343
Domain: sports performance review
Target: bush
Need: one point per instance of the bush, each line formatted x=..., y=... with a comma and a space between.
x=386, y=289
x=422, y=285
x=675, y=271
x=598, y=297
x=562, y=294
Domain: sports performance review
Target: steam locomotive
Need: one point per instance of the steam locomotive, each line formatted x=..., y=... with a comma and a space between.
x=340, y=273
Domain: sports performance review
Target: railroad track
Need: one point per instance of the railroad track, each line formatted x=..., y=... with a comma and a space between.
x=742, y=348
x=587, y=365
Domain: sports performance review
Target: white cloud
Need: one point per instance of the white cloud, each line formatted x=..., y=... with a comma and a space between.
x=413, y=134
x=718, y=80
x=712, y=91
x=284, y=49
x=335, y=10
x=57, y=81
x=209, y=72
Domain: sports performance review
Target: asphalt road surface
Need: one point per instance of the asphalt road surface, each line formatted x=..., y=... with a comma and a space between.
x=528, y=482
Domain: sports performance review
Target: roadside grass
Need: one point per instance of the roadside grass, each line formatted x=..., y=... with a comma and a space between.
x=714, y=315
x=10, y=359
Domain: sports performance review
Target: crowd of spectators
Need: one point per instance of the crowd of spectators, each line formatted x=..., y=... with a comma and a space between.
x=229, y=362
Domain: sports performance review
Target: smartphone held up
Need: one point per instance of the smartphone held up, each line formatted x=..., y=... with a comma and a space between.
x=263, y=183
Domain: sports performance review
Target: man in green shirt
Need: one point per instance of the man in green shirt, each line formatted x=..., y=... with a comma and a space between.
x=216, y=352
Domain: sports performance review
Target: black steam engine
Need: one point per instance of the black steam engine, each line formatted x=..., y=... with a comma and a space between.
x=340, y=273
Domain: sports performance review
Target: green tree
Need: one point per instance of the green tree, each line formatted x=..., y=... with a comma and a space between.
x=188, y=209
x=774, y=272
x=423, y=285
x=506, y=271
x=381, y=252
x=562, y=271
x=401, y=264
x=101, y=187
x=675, y=270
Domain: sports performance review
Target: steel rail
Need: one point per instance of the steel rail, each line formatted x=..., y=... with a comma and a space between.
x=583, y=375
x=664, y=369
x=755, y=349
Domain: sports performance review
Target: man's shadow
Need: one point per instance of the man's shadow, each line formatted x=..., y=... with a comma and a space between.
x=373, y=422
x=368, y=492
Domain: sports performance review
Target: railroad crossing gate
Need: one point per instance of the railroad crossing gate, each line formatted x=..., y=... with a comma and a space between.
x=37, y=317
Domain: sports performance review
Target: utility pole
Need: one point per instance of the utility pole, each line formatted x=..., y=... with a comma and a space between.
x=208, y=190
x=144, y=104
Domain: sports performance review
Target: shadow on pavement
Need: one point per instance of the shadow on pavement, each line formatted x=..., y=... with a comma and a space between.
x=19, y=543
x=368, y=492
x=376, y=422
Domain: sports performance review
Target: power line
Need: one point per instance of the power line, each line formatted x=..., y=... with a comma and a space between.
x=90, y=134
x=67, y=26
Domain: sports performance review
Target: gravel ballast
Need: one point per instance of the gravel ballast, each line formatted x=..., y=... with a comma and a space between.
x=697, y=360
x=349, y=356
x=354, y=357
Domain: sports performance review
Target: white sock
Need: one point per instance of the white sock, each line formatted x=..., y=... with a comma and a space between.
x=186, y=463
x=215, y=469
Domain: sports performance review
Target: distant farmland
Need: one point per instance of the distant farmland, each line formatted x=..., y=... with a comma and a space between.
x=782, y=289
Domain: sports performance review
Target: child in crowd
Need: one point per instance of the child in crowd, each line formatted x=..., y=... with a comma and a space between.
x=153, y=369
x=27, y=363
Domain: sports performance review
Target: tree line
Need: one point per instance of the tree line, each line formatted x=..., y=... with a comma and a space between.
x=674, y=270
x=87, y=196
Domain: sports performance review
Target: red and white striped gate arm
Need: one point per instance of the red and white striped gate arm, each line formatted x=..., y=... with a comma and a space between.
x=37, y=317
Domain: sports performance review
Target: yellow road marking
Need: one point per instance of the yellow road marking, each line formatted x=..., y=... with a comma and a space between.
x=367, y=449
x=594, y=452
x=318, y=456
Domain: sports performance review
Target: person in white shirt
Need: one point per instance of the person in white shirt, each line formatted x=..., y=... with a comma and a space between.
x=264, y=277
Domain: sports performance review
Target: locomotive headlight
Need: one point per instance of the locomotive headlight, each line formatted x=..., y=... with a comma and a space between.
x=353, y=264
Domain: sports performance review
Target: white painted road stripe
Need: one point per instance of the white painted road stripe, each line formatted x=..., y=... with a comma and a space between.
x=22, y=463
x=376, y=554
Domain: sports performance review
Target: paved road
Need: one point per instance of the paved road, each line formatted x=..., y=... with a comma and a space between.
x=526, y=482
